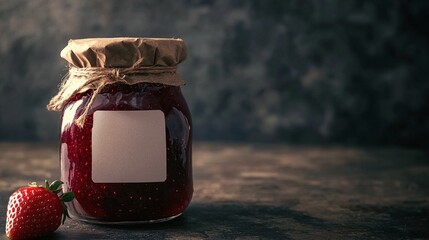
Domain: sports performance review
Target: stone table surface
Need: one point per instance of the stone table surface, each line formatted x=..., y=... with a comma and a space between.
x=257, y=191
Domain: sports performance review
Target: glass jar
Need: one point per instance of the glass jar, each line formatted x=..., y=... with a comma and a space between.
x=130, y=161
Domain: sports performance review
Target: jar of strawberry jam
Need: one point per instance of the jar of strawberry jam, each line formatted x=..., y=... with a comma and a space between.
x=126, y=133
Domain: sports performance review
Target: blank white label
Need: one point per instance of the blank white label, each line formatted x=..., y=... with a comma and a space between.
x=129, y=147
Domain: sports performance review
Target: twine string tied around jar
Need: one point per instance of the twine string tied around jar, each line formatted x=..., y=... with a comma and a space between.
x=79, y=80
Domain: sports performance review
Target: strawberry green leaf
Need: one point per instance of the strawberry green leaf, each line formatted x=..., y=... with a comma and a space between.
x=67, y=197
x=65, y=212
x=54, y=185
x=64, y=218
x=46, y=184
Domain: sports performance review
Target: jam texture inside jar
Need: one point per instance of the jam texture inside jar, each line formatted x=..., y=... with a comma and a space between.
x=126, y=137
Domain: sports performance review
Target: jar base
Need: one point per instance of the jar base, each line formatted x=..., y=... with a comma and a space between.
x=94, y=221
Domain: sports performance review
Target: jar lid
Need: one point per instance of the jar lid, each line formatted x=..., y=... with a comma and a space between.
x=124, y=52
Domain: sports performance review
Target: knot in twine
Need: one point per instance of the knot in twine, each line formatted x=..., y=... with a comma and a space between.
x=79, y=80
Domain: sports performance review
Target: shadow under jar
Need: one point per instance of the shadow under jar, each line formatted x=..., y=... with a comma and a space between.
x=130, y=160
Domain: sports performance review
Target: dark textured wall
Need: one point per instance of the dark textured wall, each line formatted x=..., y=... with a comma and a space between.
x=274, y=70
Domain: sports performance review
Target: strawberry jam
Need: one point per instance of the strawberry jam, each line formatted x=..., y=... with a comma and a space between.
x=127, y=202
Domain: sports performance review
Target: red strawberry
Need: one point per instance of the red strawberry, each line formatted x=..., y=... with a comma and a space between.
x=35, y=211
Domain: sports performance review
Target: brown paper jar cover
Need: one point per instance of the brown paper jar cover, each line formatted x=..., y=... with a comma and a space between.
x=124, y=52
